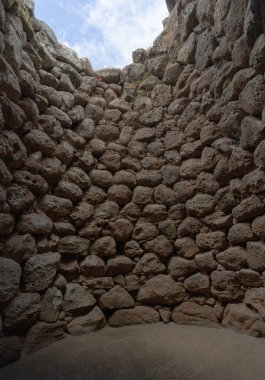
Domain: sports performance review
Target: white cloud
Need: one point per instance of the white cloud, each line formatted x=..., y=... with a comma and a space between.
x=111, y=29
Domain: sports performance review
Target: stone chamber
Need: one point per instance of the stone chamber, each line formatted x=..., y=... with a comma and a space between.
x=136, y=195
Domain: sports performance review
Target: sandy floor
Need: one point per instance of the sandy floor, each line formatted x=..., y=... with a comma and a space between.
x=146, y=352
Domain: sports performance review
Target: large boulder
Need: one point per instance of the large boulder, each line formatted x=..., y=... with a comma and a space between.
x=161, y=290
x=39, y=271
x=116, y=298
x=92, y=321
x=134, y=316
x=243, y=319
x=77, y=300
x=42, y=334
x=190, y=313
x=21, y=312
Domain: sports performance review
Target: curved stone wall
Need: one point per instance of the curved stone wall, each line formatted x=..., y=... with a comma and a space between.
x=135, y=195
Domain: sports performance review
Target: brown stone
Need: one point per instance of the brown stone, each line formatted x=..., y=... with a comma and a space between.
x=39, y=224
x=121, y=229
x=43, y=334
x=233, y=258
x=104, y=247
x=21, y=312
x=134, y=316
x=189, y=313
x=55, y=207
x=160, y=246
x=256, y=255
x=73, y=245
x=211, y=240
x=249, y=208
x=197, y=283
x=19, y=247
x=225, y=286
x=93, y=321
x=179, y=267
x=77, y=300
x=258, y=226
x=116, y=298
x=119, y=265
x=148, y=264
x=240, y=233
x=93, y=266
x=242, y=319
x=186, y=247
x=161, y=290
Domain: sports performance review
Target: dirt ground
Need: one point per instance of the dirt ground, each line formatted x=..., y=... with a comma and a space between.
x=145, y=352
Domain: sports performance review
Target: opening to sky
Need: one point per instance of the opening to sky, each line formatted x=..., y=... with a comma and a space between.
x=105, y=31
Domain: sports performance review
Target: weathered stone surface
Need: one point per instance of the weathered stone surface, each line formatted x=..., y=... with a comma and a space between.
x=55, y=207
x=240, y=233
x=8, y=80
x=161, y=290
x=10, y=273
x=68, y=190
x=121, y=229
x=119, y=265
x=144, y=231
x=233, y=258
x=142, y=195
x=73, y=245
x=42, y=334
x=149, y=264
x=249, y=208
x=116, y=298
x=51, y=305
x=200, y=205
x=134, y=316
x=107, y=210
x=160, y=246
x=249, y=278
x=94, y=320
x=39, y=224
x=81, y=213
x=205, y=47
x=211, y=240
x=225, y=286
x=242, y=319
x=40, y=271
x=252, y=98
x=120, y=194
x=190, y=313
x=205, y=261
x=19, y=247
x=254, y=182
x=256, y=255
x=252, y=132
x=21, y=312
x=93, y=266
x=197, y=283
x=77, y=300
x=104, y=247
x=19, y=198
x=258, y=226
x=33, y=181
x=39, y=141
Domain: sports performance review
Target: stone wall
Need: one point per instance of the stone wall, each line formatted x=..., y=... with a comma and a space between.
x=135, y=195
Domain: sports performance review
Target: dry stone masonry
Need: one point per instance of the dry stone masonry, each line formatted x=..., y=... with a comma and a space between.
x=135, y=195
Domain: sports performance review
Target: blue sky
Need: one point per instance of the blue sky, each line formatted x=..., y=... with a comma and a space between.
x=105, y=31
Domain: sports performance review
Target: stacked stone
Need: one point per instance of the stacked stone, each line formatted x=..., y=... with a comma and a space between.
x=135, y=195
